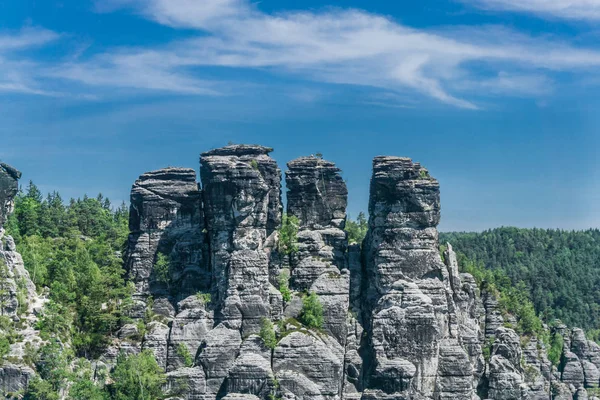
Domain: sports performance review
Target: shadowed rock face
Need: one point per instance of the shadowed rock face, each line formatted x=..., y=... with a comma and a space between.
x=9, y=186
x=166, y=218
x=317, y=194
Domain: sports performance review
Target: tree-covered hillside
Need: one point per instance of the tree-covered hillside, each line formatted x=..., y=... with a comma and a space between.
x=73, y=253
x=560, y=269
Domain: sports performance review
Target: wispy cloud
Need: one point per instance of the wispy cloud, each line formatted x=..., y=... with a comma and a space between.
x=16, y=72
x=564, y=9
x=503, y=83
x=336, y=46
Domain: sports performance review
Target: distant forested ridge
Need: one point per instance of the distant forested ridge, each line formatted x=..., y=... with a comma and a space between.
x=561, y=269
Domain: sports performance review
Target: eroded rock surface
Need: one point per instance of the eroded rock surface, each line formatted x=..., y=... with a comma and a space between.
x=241, y=187
x=400, y=322
x=166, y=220
x=19, y=301
x=317, y=196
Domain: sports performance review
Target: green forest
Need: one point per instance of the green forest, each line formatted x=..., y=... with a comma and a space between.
x=75, y=250
x=560, y=270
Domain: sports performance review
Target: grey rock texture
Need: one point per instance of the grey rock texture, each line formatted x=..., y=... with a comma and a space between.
x=317, y=196
x=188, y=329
x=166, y=219
x=241, y=188
x=505, y=375
x=400, y=320
x=14, y=378
x=19, y=301
x=217, y=354
x=311, y=362
x=9, y=186
x=409, y=295
x=186, y=383
x=404, y=210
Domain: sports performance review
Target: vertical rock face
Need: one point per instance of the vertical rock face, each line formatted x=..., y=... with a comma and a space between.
x=241, y=185
x=9, y=186
x=317, y=196
x=19, y=301
x=400, y=321
x=166, y=220
x=414, y=344
x=404, y=210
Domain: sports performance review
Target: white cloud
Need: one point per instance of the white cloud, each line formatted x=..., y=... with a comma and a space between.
x=514, y=84
x=564, y=9
x=340, y=46
x=15, y=71
x=26, y=38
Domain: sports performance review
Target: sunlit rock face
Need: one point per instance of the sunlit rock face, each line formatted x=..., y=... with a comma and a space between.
x=241, y=191
x=414, y=345
x=19, y=301
x=317, y=196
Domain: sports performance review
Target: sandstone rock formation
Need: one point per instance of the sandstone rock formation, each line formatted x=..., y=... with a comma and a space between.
x=317, y=196
x=166, y=220
x=19, y=302
x=241, y=188
x=400, y=321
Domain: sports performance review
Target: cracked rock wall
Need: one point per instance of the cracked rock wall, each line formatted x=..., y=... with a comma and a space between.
x=400, y=320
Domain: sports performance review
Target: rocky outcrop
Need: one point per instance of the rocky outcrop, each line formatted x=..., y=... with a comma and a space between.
x=317, y=196
x=166, y=221
x=9, y=178
x=400, y=320
x=410, y=309
x=19, y=302
x=315, y=364
x=241, y=188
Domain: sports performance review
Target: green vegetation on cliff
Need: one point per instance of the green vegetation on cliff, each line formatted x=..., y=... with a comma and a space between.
x=75, y=251
x=513, y=299
x=357, y=230
x=559, y=271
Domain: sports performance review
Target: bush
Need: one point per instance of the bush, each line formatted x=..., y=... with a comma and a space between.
x=288, y=234
x=138, y=377
x=284, y=286
x=4, y=347
x=53, y=364
x=486, y=351
x=267, y=333
x=85, y=389
x=312, y=311
x=204, y=297
x=556, y=347
x=184, y=353
x=357, y=230
x=39, y=389
x=162, y=269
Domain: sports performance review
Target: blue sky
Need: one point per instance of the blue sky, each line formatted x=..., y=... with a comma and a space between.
x=497, y=98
